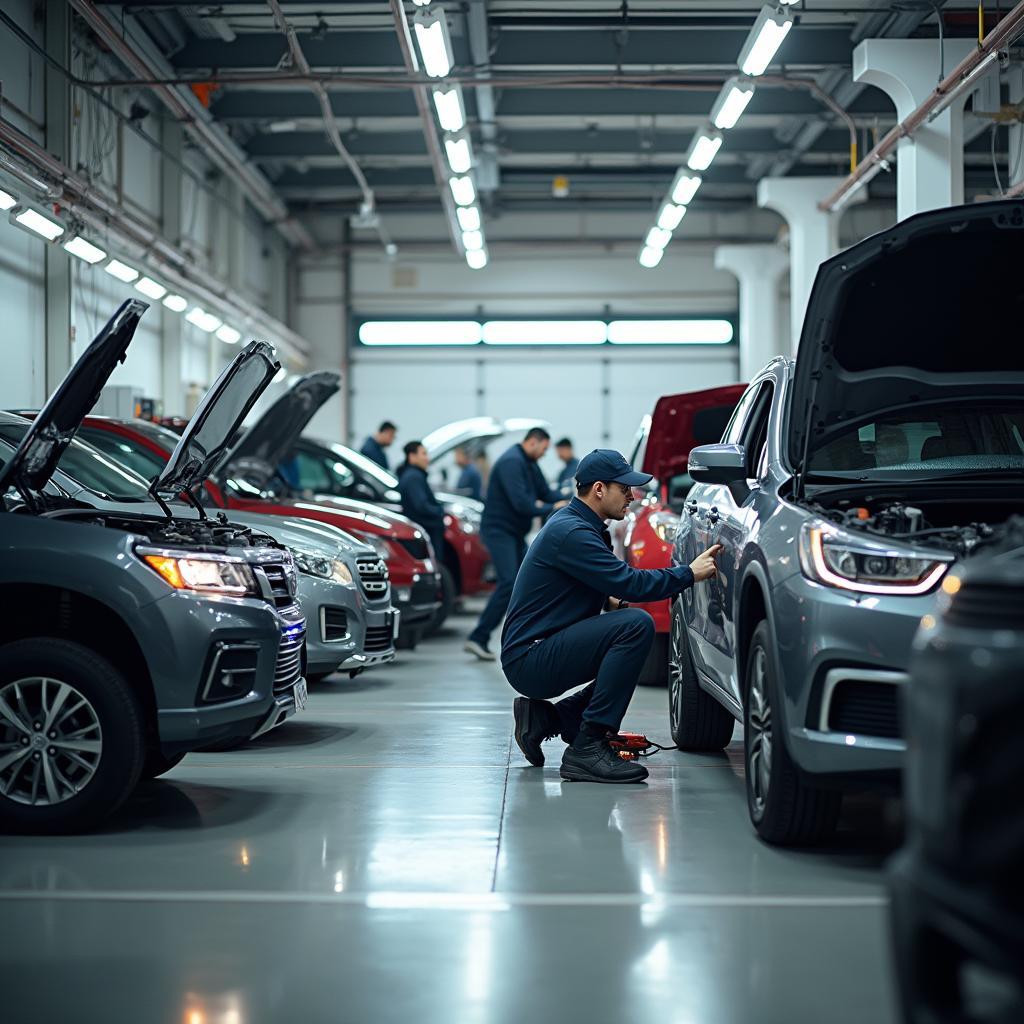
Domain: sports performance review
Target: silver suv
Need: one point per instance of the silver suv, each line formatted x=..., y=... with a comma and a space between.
x=846, y=484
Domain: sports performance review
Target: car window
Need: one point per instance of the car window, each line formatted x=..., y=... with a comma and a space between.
x=737, y=424
x=755, y=432
x=129, y=454
x=307, y=473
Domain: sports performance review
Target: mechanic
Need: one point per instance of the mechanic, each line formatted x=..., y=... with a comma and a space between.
x=470, y=482
x=418, y=501
x=555, y=637
x=374, y=445
x=563, y=449
x=516, y=493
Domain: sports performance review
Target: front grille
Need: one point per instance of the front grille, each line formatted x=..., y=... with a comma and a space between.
x=289, y=658
x=280, y=581
x=333, y=624
x=378, y=638
x=987, y=606
x=373, y=576
x=416, y=546
x=866, y=709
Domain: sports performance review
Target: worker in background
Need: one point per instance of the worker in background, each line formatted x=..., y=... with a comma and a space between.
x=556, y=639
x=516, y=493
x=418, y=501
x=374, y=445
x=563, y=449
x=470, y=482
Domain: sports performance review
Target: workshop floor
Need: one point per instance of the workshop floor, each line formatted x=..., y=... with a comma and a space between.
x=390, y=856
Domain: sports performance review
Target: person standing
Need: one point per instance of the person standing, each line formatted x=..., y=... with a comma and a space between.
x=374, y=445
x=418, y=501
x=517, y=492
x=470, y=482
x=563, y=449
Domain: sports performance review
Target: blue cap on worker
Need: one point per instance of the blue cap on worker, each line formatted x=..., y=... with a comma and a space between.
x=610, y=467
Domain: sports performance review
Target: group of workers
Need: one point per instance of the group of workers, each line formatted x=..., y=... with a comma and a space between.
x=552, y=594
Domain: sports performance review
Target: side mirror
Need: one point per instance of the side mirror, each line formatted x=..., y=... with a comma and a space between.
x=718, y=463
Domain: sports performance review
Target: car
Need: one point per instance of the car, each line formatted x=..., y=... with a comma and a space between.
x=845, y=486
x=130, y=635
x=643, y=540
x=956, y=901
x=343, y=585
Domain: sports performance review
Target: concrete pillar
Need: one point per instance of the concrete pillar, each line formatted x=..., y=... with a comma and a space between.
x=930, y=164
x=813, y=235
x=1015, y=81
x=172, y=387
x=757, y=269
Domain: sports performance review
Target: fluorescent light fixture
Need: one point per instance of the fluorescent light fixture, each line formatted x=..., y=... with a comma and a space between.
x=731, y=102
x=545, y=332
x=7, y=200
x=472, y=240
x=657, y=238
x=703, y=149
x=670, y=215
x=670, y=332
x=469, y=218
x=460, y=155
x=35, y=222
x=463, y=190
x=964, y=84
x=684, y=188
x=151, y=288
x=426, y=3
x=121, y=271
x=435, y=45
x=476, y=258
x=229, y=335
x=84, y=250
x=278, y=127
x=176, y=303
x=650, y=257
x=763, y=42
x=385, y=333
x=451, y=114
x=203, y=320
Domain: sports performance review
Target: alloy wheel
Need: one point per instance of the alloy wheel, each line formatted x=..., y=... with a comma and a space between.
x=759, y=724
x=675, y=668
x=51, y=742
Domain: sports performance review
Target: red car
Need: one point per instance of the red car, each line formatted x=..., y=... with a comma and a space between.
x=644, y=538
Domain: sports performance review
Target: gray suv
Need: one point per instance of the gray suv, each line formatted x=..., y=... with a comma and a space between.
x=846, y=484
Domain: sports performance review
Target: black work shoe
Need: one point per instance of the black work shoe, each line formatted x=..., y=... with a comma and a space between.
x=536, y=721
x=591, y=759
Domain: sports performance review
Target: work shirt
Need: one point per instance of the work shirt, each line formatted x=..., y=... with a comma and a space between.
x=515, y=487
x=374, y=451
x=471, y=483
x=568, y=575
x=419, y=503
x=568, y=473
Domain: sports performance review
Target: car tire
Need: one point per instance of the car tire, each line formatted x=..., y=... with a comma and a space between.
x=407, y=638
x=696, y=720
x=312, y=678
x=655, y=670
x=448, y=595
x=157, y=764
x=784, y=808
x=101, y=705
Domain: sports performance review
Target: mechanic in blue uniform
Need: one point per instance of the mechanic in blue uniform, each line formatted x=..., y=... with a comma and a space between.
x=516, y=493
x=563, y=449
x=418, y=501
x=374, y=445
x=470, y=482
x=556, y=639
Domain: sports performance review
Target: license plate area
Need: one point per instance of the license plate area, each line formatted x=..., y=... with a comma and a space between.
x=301, y=694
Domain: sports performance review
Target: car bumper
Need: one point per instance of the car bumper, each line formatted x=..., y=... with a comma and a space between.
x=376, y=641
x=419, y=602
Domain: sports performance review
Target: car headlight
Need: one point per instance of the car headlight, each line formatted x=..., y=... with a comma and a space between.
x=838, y=560
x=665, y=525
x=208, y=574
x=379, y=544
x=321, y=566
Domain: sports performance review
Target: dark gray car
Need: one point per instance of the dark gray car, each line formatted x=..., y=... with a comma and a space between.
x=845, y=486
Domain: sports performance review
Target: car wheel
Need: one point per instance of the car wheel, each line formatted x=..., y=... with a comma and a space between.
x=407, y=639
x=783, y=807
x=696, y=719
x=448, y=596
x=655, y=670
x=71, y=736
x=157, y=764
x=312, y=678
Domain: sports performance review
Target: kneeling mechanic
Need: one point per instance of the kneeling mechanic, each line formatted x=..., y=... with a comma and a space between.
x=556, y=639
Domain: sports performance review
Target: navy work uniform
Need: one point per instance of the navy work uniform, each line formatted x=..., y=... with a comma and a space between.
x=420, y=505
x=568, y=472
x=471, y=483
x=374, y=451
x=555, y=637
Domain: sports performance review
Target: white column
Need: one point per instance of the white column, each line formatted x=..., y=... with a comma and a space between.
x=813, y=234
x=757, y=269
x=930, y=164
x=1015, y=80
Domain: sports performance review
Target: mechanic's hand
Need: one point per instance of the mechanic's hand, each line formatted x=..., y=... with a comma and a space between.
x=703, y=566
x=614, y=604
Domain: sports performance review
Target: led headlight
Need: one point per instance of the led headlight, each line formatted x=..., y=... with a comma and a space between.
x=838, y=560
x=377, y=543
x=209, y=574
x=322, y=567
x=665, y=525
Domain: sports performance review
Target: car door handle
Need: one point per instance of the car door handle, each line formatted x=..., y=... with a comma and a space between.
x=713, y=516
x=691, y=507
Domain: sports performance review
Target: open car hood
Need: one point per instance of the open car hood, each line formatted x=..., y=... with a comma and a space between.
x=927, y=311
x=53, y=429
x=218, y=418
x=474, y=430
x=274, y=434
x=682, y=422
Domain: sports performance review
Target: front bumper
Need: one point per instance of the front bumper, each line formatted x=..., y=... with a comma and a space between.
x=419, y=602
x=371, y=649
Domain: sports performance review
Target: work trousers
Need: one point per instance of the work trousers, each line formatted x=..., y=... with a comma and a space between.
x=607, y=651
x=507, y=551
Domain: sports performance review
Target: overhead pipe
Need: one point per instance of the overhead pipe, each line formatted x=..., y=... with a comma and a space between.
x=948, y=89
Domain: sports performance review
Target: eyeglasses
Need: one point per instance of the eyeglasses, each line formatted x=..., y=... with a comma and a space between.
x=624, y=489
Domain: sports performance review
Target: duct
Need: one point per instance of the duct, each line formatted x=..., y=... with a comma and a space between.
x=486, y=108
x=196, y=120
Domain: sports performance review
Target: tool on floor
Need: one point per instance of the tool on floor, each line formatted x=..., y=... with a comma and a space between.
x=631, y=746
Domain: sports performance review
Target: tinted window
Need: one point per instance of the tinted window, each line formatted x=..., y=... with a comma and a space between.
x=123, y=451
x=734, y=431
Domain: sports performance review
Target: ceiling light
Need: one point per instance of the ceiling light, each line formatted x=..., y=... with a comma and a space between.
x=35, y=222
x=670, y=332
x=121, y=271
x=84, y=250
x=703, y=149
x=387, y=333
x=657, y=238
x=670, y=215
x=176, y=303
x=469, y=218
x=426, y=3
x=460, y=156
x=463, y=190
x=203, y=320
x=450, y=112
x=151, y=288
x=684, y=188
x=477, y=259
x=766, y=36
x=472, y=240
x=7, y=200
x=650, y=257
x=731, y=102
x=229, y=335
x=545, y=332
x=432, y=38
x=277, y=127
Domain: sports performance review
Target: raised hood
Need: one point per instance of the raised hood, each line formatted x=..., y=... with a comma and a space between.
x=928, y=311
x=53, y=429
x=475, y=430
x=272, y=437
x=218, y=418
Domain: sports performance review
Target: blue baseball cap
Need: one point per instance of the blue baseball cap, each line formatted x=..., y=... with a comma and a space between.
x=610, y=467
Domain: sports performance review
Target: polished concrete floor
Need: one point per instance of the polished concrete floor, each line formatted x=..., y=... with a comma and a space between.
x=390, y=856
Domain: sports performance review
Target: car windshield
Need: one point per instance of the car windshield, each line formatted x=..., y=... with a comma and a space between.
x=944, y=440
x=124, y=451
x=364, y=468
